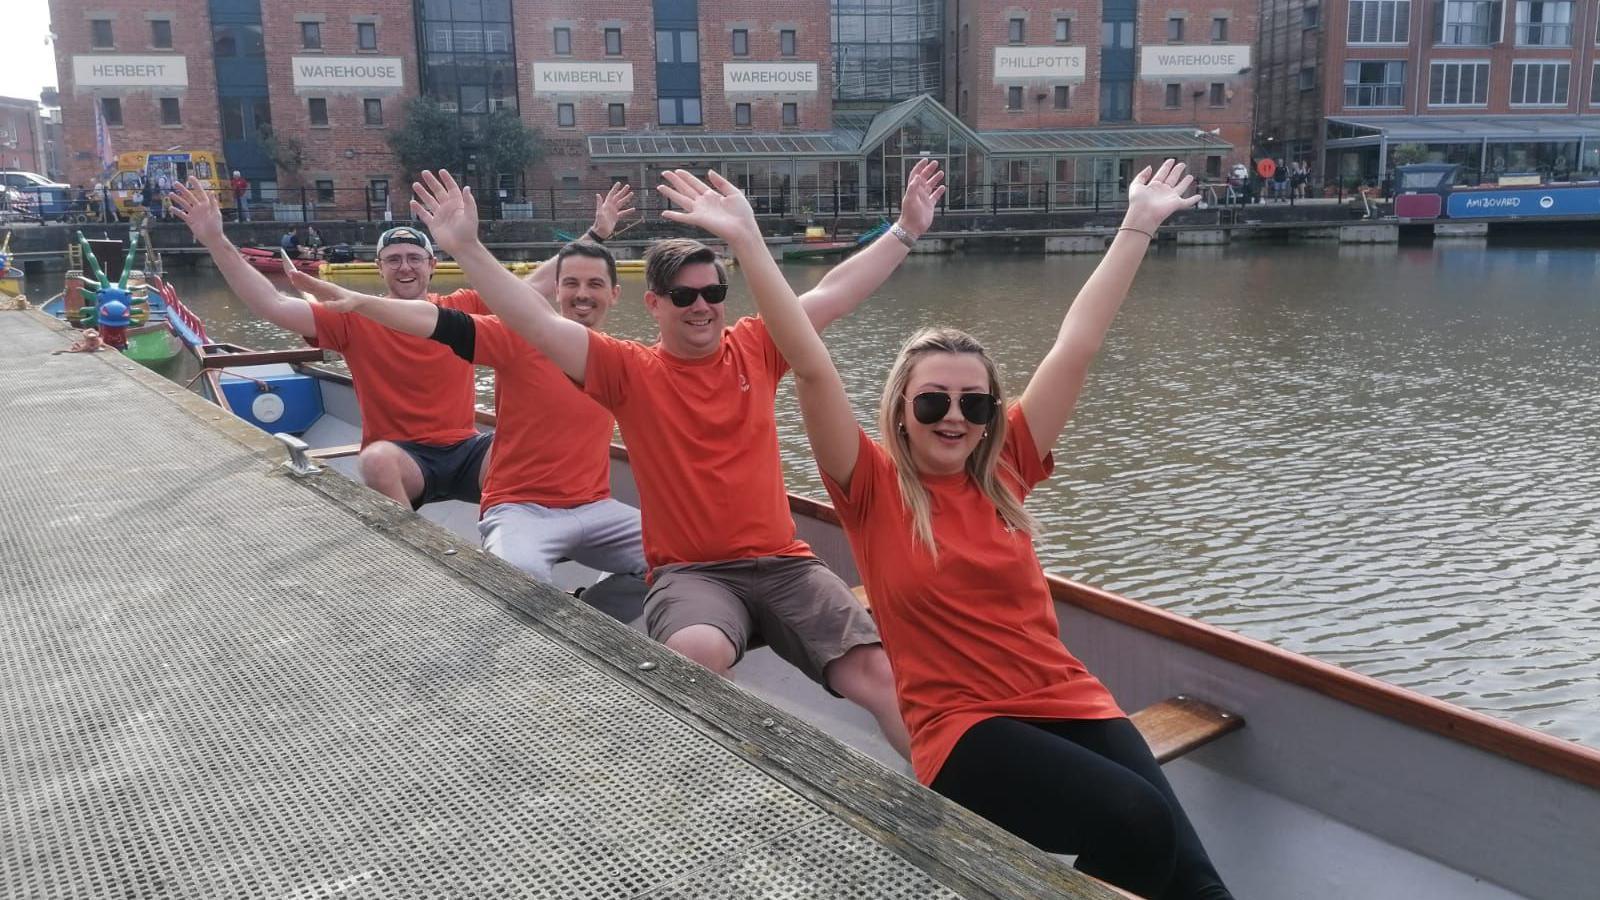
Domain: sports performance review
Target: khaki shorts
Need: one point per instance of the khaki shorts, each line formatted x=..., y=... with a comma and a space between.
x=794, y=603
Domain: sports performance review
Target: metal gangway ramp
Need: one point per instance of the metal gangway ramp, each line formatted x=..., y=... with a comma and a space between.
x=221, y=680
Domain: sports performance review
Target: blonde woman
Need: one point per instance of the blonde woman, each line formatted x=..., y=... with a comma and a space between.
x=1003, y=719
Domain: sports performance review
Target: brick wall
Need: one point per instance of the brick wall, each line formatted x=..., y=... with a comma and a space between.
x=21, y=136
x=346, y=150
x=141, y=115
x=985, y=25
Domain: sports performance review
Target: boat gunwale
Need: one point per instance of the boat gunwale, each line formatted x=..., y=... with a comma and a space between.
x=1518, y=743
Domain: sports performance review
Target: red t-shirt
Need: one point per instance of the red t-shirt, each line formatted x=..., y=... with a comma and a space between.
x=702, y=437
x=552, y=444
x=974, y=635
x=408, y=388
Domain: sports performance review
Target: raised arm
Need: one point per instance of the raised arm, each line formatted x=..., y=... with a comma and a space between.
x=415, y=317
x=1053, y=391
x=608, y=210
x=198, y=209
x=451, y=215
x=855, y=279
x=722, y=209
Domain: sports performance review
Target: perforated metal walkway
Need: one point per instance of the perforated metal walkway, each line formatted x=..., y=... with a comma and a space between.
x=218, y=681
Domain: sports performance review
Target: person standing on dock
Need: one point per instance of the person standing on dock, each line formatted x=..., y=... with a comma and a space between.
x=1004, y=720
x=697, y=412
x=419, y=440
x=547, y=495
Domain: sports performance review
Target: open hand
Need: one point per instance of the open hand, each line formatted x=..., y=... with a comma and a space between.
x=330, y=295
x=610, y=209
x=1154, y=197
x=719, y=207
x=924, y=189
x=198, y=209
x=449, y=210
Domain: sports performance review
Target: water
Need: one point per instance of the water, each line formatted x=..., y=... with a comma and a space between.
x=1388, y=459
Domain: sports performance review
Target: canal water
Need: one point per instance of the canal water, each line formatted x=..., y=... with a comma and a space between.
x=1386, y=458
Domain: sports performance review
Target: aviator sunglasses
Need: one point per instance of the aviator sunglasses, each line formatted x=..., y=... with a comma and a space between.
x=684, y=297
x=930, y=407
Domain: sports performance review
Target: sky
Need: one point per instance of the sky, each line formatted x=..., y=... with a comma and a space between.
x=29, y=61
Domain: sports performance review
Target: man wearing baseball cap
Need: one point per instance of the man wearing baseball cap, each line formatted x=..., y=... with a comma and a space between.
x=419, y=443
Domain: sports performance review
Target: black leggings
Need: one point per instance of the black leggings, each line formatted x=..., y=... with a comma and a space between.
x=1088, y=787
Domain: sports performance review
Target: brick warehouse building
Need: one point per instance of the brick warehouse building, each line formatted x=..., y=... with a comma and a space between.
x=1499, y=87
x=811, y=105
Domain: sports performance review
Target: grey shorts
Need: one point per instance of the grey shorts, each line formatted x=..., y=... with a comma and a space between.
x=795, y=604
x=450, y=471
x=603, y=535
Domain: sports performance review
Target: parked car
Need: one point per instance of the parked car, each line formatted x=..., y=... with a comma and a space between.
x=31, y=195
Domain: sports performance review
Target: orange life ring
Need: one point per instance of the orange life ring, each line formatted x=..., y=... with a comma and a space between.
x=1266, y=168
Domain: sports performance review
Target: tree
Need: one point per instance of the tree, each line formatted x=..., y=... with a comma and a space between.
x=1407, y=154
x=429, y=139
x=286, y=152
x=506, y=146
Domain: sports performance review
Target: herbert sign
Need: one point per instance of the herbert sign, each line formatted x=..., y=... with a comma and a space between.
x=582, y=78
x=325, y=73
x=1038, y=63
x=769, y=78
x=1197, y=61
x=95, y=71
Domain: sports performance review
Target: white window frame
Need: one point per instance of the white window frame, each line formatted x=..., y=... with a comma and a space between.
x=1543, y=26
x=1367, y=10
x=1490, y=39
x=1386, y=85
x=1541, y=64
x=1486, y=74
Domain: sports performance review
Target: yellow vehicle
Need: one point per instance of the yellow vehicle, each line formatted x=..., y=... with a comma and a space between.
x=136, y=167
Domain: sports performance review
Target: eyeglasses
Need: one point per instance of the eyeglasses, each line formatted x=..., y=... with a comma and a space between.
x=414, y=260
x=930, y=407
x=684, y=297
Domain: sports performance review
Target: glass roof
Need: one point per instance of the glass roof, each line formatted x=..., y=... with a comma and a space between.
x=1088, y=140
x=657, y=146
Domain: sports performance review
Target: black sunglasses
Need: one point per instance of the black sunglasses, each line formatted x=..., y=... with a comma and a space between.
x=684, y=297
x=930, y=407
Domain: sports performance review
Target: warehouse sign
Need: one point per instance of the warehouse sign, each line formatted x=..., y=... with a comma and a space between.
x=1013, y=64
x=769, y=78
x=332, y=73
x=582, y=78
x=1198, y=61
x=96, y=71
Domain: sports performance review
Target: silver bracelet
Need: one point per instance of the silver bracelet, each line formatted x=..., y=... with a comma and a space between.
x=903, y=235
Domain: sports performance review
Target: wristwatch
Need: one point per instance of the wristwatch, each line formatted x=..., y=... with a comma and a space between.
x=590, y=234
x=903, y=235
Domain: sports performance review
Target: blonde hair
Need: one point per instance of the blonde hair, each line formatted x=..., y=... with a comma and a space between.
x=983, y=465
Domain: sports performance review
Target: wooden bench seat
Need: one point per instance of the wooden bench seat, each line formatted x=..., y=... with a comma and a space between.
x=1172, y=727
x=338, y=451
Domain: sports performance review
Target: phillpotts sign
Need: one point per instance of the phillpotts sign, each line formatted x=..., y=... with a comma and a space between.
x=1198, y=61
x=97, y=71
x=583, y=78
x=769, y=78
x=323, y=73
x=1038, y=64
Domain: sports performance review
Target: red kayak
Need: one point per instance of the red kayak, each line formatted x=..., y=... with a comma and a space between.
x=271, y=262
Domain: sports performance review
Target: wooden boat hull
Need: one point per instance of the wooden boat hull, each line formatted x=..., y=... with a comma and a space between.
x=1338, y=786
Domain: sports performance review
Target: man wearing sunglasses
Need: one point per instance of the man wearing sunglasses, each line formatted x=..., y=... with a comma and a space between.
x=697, y=413
x=419, y=443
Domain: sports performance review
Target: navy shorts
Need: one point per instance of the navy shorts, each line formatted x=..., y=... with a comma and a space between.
x=450, y=471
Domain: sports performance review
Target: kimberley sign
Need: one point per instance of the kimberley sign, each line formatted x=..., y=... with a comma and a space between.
x=769, y=78
x=582, y=78
x=1211, y=60
x=95, y=71
x=1038, y=63
x=324, y=73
